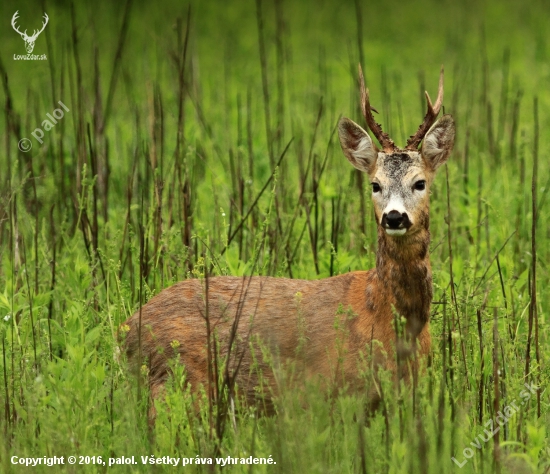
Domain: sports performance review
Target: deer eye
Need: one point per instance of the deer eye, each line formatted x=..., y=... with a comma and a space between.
x=420, y=185
x=375, y=187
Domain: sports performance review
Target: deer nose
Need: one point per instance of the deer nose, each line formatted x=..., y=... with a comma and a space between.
x=394, y=219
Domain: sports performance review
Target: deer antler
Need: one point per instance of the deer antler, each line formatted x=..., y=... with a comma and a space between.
x=429, y=118
x=14, y=25
x=24, y=35
x=383, y=138
x=46, y=18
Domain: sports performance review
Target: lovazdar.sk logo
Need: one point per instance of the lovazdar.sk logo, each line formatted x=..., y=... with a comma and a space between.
x=29, y=40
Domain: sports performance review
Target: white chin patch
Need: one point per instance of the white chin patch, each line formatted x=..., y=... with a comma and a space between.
x=396, y=231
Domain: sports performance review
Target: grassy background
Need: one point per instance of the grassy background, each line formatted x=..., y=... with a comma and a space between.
x=179, y=113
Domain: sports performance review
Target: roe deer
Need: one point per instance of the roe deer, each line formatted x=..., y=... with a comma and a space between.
x=323, y=326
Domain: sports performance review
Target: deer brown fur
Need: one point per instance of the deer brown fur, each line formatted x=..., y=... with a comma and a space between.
x=324, y=327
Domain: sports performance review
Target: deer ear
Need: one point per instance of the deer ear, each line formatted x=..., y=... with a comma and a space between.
x=357, y=145
x=438, y=142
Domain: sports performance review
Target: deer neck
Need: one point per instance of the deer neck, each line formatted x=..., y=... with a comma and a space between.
x=404, y=271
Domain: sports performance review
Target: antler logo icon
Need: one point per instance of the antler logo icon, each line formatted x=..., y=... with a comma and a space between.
x=29, y=40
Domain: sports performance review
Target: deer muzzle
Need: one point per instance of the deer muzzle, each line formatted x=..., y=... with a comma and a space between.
x=396, y=223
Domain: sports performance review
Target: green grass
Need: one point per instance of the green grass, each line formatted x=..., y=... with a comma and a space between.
x=113, y=201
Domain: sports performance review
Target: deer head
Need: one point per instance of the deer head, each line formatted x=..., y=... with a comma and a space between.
x=29, y=40
x=400, y=178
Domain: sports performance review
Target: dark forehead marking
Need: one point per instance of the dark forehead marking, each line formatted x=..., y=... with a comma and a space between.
x=396, y=164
